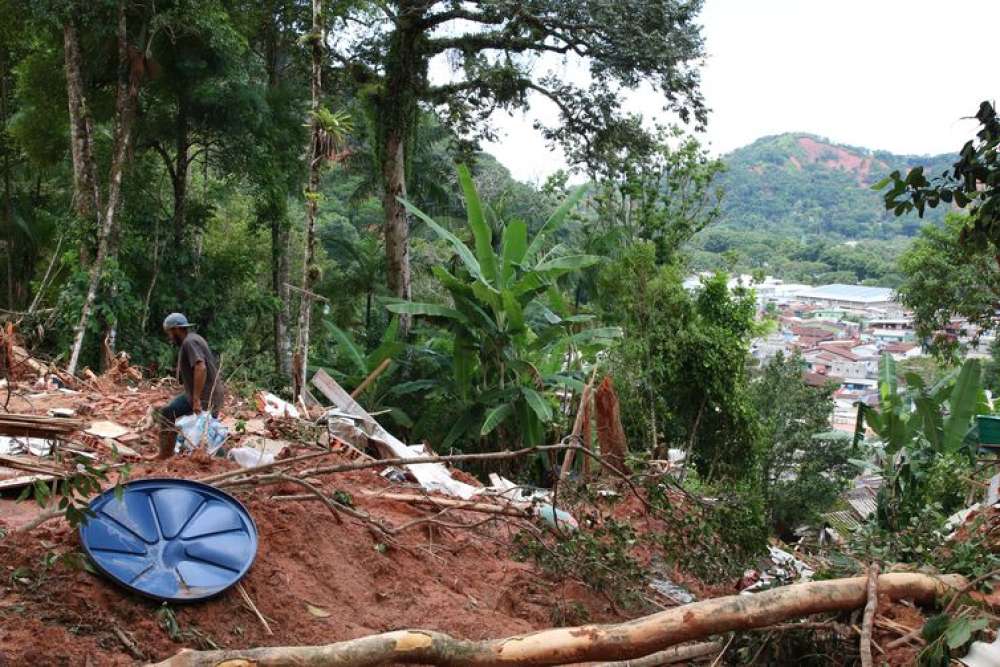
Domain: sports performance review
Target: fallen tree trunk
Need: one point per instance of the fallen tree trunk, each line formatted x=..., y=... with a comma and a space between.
x=670, y=656
x=633, y=639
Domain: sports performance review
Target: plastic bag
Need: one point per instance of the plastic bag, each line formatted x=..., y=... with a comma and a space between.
x=249, y=457
x=201, y=430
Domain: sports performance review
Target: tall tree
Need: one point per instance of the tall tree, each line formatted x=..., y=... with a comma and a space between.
x=327, y=132
x=317, y=38
x=802, y=474
x=84, y=164
x=387, y=48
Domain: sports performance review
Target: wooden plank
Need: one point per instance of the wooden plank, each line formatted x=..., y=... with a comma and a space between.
x=336, y=394
x=22, y=481
x=32, y=464
x=432, y=476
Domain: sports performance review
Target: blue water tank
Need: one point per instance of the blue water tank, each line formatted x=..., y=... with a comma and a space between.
x=170, y=539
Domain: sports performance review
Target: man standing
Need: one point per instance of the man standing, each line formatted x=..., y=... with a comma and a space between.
x=197, y=371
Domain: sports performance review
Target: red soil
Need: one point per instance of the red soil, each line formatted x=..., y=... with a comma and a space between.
x=836, y=157
x=454, y=581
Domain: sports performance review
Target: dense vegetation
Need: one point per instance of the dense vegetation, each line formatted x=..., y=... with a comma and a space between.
x=802, y=208
x=291, y=178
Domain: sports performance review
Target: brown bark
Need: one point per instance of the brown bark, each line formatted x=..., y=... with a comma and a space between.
x=86, y=193
x=279, y=282
x=179, y=173
x=632, y=639
x=610, y=433
x=871, y=608
x=397, y=225
x=312, y=193
x=8, y=191
x=670, y=656
x=124, y=117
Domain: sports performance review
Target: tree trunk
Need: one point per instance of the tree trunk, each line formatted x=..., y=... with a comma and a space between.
x=279, y=282
x=8, y=192
x=397, y=111
x=610, y=433
x=397, y=225
x=315, y=157
x=86, y=193
x=278, y=213
x=124, y=116
x=180, y=171
x=632, y=639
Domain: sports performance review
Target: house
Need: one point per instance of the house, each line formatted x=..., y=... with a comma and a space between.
x=901, y=351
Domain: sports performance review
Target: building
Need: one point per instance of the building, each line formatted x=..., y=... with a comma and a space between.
x=858, y=297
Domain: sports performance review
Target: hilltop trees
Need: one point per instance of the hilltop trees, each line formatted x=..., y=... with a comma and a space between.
x=387, y=50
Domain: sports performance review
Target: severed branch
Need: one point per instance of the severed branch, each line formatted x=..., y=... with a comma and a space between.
x=869, y=618
x=559, y=646
x=212, y=479
x=224, y=480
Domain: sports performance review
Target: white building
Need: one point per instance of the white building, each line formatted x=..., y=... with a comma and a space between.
x=849, y=296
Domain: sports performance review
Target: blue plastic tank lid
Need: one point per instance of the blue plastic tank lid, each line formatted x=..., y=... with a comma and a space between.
x=170, y=539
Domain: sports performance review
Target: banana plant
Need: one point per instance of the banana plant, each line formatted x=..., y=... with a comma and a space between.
x=941, y=414
x=918, y=429
x=513, y=337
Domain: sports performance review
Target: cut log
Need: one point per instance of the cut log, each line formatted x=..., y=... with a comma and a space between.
x=633, y=639
x=610, y=433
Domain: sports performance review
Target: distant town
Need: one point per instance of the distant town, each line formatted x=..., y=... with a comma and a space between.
x=841, y=331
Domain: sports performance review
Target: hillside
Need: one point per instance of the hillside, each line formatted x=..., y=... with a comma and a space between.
x=802, y=185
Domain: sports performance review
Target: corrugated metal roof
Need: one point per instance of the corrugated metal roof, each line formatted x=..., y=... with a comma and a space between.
x=862, y=500
x=843, y=522
x=842, y=292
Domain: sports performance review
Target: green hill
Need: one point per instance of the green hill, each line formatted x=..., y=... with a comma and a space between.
x=801, y=185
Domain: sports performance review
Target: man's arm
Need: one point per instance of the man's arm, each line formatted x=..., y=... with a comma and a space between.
x=200, y=373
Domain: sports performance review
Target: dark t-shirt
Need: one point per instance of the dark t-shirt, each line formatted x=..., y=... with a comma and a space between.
x=195, y=349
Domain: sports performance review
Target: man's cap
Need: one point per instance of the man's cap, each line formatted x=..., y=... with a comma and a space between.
x=176, y=320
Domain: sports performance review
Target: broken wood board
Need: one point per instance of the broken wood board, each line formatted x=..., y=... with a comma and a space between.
x=31, y=464
x=20, y=481
x=41, y=426
x=432, y=476
x=107, y=429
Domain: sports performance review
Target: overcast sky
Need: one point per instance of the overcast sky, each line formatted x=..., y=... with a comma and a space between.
x=897, y=75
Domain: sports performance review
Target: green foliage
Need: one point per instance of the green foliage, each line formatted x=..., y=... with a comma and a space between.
x=804, y=467
x=798, y=185
x=74, y=491
x=510, y=334
x=971, y=182
x=946, y=278
x=674, y=339
x=945, y=634
x=926, y=436
x=715, y=540
x=601, y=557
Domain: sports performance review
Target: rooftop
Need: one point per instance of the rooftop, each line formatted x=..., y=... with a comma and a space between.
x=856, y=293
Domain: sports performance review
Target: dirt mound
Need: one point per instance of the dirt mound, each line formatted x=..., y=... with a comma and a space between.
x=314, y=580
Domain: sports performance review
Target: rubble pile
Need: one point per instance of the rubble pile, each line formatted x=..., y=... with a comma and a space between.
x=315, y=579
